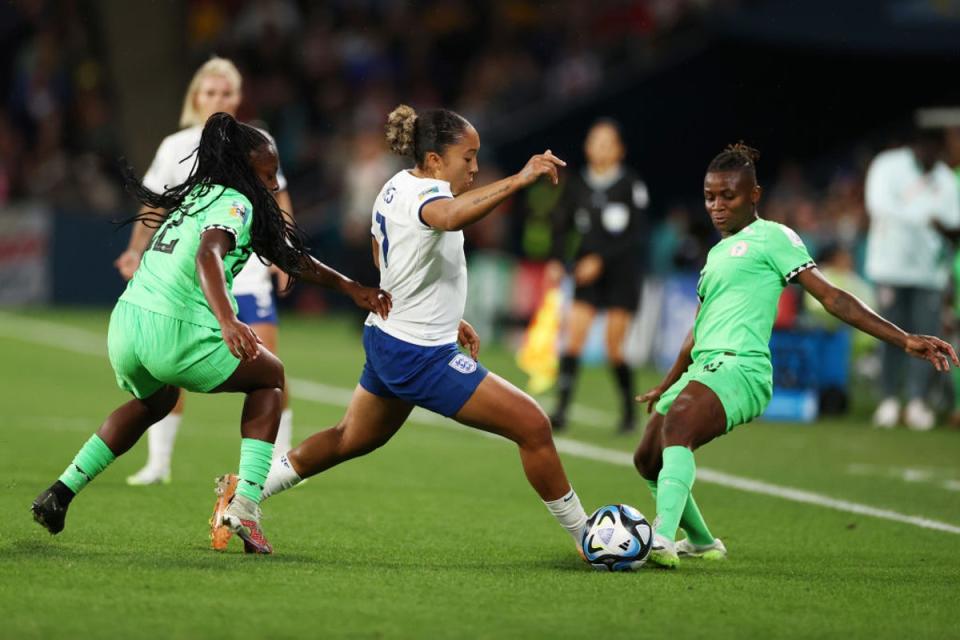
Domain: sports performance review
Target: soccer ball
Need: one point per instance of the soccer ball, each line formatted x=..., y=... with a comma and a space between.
x=617, y=538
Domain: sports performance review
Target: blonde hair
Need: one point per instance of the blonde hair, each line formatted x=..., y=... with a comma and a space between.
x=400, y=130
x=215, y=66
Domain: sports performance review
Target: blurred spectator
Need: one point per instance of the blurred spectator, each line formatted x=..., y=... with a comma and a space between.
x=909, y=193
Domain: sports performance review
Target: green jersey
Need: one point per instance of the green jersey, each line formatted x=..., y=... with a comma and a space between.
x=167, y=282
x=740, y=287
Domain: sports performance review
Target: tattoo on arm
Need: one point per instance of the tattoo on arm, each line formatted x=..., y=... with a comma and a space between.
x=490, y=196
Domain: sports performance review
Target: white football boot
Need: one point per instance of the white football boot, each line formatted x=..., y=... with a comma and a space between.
x=663, y=553
x=149, y=476
x=713, y=551
x=918, y=417
x=887, y=414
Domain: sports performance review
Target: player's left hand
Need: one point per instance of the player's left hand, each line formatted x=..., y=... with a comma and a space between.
x=371, y=299
x=469, y=339
x=932, y=349
x=587, y=269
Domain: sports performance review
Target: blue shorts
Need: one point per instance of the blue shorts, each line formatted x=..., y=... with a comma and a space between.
x=255, y=308
x=437, y=378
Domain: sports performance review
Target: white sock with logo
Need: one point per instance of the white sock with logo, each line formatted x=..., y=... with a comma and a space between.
x=569, y=513
x=281, y=477
x=284, y=433
x=160, y=438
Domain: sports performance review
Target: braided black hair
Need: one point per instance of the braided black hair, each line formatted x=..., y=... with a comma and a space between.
x=736, y=157
x=222, y=160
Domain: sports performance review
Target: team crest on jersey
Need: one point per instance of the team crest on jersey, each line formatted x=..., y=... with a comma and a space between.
x=238, y=210
x=463, y=364
x=426, y=192
x=739, y=250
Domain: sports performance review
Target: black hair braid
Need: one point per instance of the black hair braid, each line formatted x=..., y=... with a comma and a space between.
x=223, y=160
x=736, y=157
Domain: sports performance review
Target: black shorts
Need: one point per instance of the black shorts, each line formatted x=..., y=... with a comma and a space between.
x=618, y=286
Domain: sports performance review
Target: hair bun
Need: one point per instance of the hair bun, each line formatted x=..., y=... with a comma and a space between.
x=400, y=130
x=745, y=150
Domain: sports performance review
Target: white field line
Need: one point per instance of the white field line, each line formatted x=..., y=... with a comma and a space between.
x=91, y=343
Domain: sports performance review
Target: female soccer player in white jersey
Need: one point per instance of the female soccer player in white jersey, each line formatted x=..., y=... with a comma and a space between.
x=215, y=88
x=412, y=357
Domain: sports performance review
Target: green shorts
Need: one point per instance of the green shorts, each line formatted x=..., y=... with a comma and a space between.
x=744, y=385
x=149, y=350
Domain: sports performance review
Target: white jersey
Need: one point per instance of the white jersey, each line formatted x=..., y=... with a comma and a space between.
x=172, y=165
x=424, y=269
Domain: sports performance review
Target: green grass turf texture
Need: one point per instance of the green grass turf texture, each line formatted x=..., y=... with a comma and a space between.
x=437, y=535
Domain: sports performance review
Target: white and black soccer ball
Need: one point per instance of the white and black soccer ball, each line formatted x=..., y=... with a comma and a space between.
x=617, y=538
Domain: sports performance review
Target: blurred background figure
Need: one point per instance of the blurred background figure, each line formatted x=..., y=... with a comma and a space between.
x=911, y=196
x=603, y=205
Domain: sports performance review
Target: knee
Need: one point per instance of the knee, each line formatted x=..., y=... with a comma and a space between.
x=278, y=378
x=537, y=431
x=677, y=426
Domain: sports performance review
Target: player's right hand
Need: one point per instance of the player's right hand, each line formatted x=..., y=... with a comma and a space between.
x=650, y=397
x=241, y=339
x=932, y=349
x=127, y=263
x=544, y=164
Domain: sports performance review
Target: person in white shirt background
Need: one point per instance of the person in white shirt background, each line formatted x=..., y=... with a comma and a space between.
x=412, y=358
x=215, y=87
x=912, y=198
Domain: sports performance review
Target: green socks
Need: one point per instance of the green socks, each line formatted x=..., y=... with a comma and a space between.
x=255, y=457
x=94, y=456
x=691, y=520
x=673, y=488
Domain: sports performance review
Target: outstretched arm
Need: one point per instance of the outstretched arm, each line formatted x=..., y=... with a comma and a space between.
x=851, y=310
x=369, y=298
x=453, y=214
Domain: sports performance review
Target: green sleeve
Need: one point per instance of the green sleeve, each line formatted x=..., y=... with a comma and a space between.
x=229, y=213
x=786, y=252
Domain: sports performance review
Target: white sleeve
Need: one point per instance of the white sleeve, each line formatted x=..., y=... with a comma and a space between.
x=159, y=176
x=884, y=201
x=430, y=190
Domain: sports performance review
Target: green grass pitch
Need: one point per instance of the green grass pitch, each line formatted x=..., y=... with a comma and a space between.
x=437, y=535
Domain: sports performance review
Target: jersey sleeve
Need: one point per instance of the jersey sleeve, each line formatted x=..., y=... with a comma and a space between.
x=786, y=252
x=429, y=190
x=229, y=213
x=160, y=176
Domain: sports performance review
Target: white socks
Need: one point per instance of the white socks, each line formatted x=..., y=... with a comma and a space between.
x=160, y=438
x=569, y=513
x=284, y=433
x=281, y=477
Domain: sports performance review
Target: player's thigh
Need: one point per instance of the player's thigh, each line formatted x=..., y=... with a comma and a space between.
x=648, y=458
x=497, y=406
x=371, y=420
x=578, y=327
x=263, y=372
x=695, y=418
x=618, y=322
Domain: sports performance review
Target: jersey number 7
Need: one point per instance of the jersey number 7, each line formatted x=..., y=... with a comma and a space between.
x=385, y=245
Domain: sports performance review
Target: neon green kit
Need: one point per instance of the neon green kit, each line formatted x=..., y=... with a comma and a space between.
x=162, y=330
x=739, y=289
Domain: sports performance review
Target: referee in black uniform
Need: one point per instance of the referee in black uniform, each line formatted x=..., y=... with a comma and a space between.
x=604, y=207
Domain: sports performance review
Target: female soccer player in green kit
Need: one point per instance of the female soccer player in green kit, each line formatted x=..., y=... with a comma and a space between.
x=722, y=377
x=176, y=323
